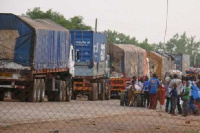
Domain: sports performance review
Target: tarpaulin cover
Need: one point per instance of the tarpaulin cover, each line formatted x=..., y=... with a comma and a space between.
x=22, y=47
x=128, y=59
x=42, y=44
x=159, y=64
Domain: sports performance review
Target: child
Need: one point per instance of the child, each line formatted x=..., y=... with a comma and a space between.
x=174, y=98
x=185, y=98
x=131, y=95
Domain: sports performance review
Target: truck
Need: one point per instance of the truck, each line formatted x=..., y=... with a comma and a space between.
x=182, y=62
x=36, y=59
x=160, y=63
x=91, y=65
x=127, y=60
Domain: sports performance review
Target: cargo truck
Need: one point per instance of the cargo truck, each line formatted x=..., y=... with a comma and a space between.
x=36, y=59
x=182, y=62
x=160, y=63
x=127, y=60
x=91, y=65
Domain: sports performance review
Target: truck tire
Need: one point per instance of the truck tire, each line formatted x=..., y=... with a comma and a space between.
x=34, y=92
x=74, y=95
x=69, y=91
x=138, y=100
x=22, y=95
x=122, y=99
x=60, y=92
x=2, y=94
x=38, y=90
x=108, y=96
x=42, y=90
x=93, y=93
x=14, y=94
x=103, y=90
x=64, y=88
x=126, y=98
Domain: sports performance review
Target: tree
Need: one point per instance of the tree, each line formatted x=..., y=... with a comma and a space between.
x=120, y=38
x=186, y=45
x=73, y=23
x=146, y=45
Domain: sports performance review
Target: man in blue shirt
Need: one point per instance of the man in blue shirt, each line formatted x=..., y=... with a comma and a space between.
x=154, y=84
x=146, y=86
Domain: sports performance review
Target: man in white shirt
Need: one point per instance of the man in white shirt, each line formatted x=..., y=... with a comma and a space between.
x=176, y=81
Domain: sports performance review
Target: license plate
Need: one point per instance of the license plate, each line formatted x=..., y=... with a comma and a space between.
x=5, y=74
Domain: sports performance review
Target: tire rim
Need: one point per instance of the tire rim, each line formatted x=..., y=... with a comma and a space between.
x=42, y=90
x=38, y=90
x=60, y=92
x=64, y=91
x=35, y=91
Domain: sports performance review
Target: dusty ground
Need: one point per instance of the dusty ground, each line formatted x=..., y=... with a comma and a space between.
x=90, y=117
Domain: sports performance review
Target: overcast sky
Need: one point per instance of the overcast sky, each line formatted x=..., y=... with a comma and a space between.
x=139, y=18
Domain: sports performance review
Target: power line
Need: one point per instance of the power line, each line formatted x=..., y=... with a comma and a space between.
x=166, y=22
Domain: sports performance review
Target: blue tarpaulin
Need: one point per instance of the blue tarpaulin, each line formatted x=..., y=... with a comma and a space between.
x=42, y=44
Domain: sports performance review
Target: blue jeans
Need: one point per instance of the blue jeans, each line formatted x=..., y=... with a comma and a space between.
x=190, y=105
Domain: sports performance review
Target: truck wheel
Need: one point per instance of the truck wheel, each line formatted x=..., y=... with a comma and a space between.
x=126, y=98
x=38, y=89
x=74, y=95
x=42, y=90
x=108, y=93
x=64, y=88
x=103, y=91
x=69, y=92
x=93, y=93
x=22, y=95
x=138, y=100
x=60, y=92
x=122, y=99
x=2, y=94
x=34, y=92
x=14, y=94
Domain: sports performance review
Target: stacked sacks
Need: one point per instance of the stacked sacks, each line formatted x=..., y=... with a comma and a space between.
x=172, y=72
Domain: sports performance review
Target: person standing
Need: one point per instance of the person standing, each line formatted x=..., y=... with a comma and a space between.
x=131, y=93
x=190, y=104
x=146, y=92
x=168, y=97
x=176, y=81
x=185, y=98
x=154, y=84
x=141, y=85
x=174, y=97
x=161, y=94
x=198, y=85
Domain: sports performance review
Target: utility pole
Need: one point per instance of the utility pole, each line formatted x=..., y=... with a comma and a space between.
x=96, y=25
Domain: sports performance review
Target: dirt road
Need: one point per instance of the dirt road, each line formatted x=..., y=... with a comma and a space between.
x=87, y=116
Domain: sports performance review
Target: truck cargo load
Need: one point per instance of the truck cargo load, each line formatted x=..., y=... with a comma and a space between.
x=91, y=64
x=36, y=59
x=182, y=62
x=160, y=63
x=128, y=60
x=40, y=44
x=90, y=53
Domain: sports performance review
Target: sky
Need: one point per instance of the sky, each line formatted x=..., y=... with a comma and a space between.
x=137, y=18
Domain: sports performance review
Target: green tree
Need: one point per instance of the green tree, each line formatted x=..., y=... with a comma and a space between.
x=120, y=38
x=73, y=23
x=186, y=45
x=146, y=45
